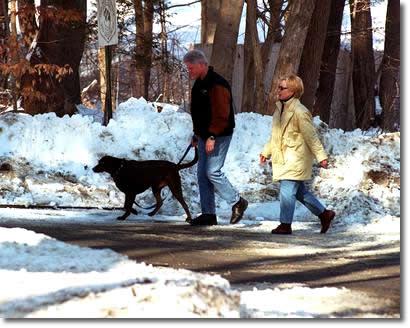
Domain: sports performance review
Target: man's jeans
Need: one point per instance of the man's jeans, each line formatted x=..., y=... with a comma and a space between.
x=210, y=176
x=292, y=190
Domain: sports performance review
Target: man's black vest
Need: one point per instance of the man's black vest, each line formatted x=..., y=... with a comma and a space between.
x=201, y=105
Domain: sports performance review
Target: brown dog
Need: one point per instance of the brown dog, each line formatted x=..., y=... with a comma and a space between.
x=134, y=177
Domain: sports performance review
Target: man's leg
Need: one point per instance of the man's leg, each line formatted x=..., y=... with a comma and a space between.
x=215, y=162
x=206, y=188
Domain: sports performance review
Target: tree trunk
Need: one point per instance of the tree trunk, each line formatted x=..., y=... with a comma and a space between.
x=327, y=78
x=138, y=89
x=13, y=51
x=276, y=17
x=390, y=71
x=309, y=68
x=143, y=47
x=4, y=34
x=103, y=82
x=274, y=31
x=296, y=29
x=27, y=21
x=259, y=94
x=249, y=70
x=164, y=53
x=148, y=25
x=209, y=20
x=342, y=114
x=364, y=75
x=226, y=37
x=59, y=43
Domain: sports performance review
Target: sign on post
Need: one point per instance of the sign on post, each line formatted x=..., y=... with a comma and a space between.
x=107, y=36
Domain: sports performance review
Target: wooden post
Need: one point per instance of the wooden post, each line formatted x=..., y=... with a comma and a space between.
x=108, y=102
x=107, y=36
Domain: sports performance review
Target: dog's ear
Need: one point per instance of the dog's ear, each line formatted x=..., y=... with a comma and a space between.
x=105, y=159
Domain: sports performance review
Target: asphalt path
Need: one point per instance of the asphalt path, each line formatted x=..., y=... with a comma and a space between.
x=247, y=258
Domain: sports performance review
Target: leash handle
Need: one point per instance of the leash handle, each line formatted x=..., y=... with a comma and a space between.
x=186, y=152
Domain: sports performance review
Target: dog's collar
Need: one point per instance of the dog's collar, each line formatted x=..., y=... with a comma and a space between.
x=119, y=168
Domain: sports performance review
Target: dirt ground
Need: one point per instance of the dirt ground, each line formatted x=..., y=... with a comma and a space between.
x=246, y=257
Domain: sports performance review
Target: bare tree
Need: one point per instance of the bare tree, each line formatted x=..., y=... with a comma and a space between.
x=138, y=89
x=390, y=69
x=209, y=20
x=274, y=34
x=148, y=38
x=309, y=68
x=296, y=29
x=248, y=86
x=327, y=77
x=165, y=59
x=143, y=46
x=226, y=37
x=364, y=74
x=253, y=87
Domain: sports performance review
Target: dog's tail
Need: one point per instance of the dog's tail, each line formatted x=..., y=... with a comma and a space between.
x=189, y=164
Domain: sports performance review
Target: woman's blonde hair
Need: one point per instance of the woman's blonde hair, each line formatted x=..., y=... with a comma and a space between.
x=295, y=84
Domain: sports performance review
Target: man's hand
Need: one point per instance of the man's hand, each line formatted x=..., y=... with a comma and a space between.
x=262, y=159
x=194, y=141
x=209, y=146
x=324, y=164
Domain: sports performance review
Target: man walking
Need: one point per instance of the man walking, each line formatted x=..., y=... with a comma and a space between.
x=213, y=122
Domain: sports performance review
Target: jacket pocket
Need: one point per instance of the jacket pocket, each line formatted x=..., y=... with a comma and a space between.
x=277, y=156
x=293, y=140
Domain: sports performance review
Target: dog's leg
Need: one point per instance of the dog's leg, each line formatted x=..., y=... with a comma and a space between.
x=176, y=189
x=157, y=194
x=129, y=200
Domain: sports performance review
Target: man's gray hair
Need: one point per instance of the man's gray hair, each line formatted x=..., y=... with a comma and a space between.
x=195, y=57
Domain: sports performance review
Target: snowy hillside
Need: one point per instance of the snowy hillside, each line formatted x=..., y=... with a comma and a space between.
x=47, y=161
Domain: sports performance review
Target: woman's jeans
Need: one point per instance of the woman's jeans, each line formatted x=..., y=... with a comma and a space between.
x=210, y=176
x=292, y=190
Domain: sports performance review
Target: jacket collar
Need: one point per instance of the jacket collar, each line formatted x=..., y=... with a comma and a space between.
x=288, y=112
x=207, y=76
x=288, y=104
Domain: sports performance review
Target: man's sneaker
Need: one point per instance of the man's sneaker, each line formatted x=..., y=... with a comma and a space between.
x=325, y=218
x=204, y=220
x=283, y=229
x=238, y=209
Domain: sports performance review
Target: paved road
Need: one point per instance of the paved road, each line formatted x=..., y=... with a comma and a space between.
x=246, y=257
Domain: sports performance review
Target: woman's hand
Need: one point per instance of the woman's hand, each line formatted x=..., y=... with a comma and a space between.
x=324, y=164
x=262, y=159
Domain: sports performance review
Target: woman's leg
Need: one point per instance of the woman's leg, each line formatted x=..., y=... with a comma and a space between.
x=304, y=196
x=287, y=198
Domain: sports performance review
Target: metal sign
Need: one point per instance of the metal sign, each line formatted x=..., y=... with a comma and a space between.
x=107, y=23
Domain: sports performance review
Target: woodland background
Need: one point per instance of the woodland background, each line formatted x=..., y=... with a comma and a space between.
x=50, y=60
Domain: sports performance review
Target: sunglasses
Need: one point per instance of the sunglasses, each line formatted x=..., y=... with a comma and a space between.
x=280, y=88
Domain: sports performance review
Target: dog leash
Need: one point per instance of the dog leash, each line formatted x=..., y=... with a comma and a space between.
x=163, y=195
x=186, y=153
x=148, y=209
